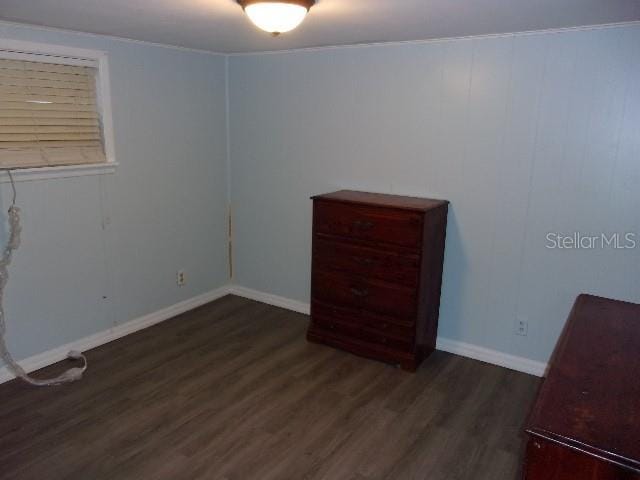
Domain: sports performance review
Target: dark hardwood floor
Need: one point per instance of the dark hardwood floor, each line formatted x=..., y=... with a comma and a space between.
x=233, y=391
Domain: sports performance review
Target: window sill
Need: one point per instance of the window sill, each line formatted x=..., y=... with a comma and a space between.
x=45, y=173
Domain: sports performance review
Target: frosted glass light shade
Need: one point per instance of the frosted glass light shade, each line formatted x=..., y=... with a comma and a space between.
x=276, y=17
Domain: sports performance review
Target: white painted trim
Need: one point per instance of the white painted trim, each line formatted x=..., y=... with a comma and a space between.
x=60, y=353
x=110, y=37
x=494, y=357
x=103, y=91
x=10, y=54
x=45, y=173
x=320, y=48
x=270, y=299
x=468, y=350
x=49, y=357
x=60, y=53
x=439, y=39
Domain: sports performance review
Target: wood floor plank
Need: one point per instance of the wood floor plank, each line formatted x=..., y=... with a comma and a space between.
x=232, y=391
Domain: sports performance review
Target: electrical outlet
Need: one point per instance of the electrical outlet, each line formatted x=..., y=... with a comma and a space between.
x=522, y=326
x=181, y=278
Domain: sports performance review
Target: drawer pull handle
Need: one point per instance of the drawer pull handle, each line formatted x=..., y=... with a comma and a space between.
x=363, y=224
x=360, y=292
x=363, y=261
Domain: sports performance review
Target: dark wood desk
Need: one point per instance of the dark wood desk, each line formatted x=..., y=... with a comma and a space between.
x=585, y=423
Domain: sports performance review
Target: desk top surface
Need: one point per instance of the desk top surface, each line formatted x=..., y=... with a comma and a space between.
x=590, y=400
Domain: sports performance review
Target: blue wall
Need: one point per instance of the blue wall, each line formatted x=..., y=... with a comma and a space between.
x=167, y=202
x=525, y=135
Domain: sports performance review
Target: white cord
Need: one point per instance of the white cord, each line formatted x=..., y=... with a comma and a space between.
x=13, y=243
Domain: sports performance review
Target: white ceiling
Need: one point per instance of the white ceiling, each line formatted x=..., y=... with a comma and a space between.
x=220, y=25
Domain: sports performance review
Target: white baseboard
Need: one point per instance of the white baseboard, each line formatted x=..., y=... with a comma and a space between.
x=60, y=353
x=270, y=299
x=494, y=357
x=49, y=357
x=487, y=355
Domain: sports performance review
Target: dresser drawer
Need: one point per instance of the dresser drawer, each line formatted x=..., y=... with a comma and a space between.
x=359, y=293
x=390, y=326
x=380, y=225
x=329, y=324
x=350, y=333
x=404, y=345
x=337, y=256
x=406, y=359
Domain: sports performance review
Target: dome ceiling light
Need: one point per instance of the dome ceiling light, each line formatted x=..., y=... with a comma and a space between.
x=276, y=16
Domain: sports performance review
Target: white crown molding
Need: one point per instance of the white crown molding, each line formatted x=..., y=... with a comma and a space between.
x=468, y=350
x=60, y=353
x=111, y=37
x=326, y=47
x=579, y=28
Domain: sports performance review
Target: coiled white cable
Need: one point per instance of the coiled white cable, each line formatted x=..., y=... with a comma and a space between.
x=13, y=243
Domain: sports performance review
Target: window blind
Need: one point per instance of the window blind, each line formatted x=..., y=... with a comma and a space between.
x=48, y=115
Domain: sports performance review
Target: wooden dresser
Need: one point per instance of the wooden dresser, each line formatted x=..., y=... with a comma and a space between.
x=376, y=274
x=585, y=424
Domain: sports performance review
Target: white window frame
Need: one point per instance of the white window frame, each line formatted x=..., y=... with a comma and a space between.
x=60, y=54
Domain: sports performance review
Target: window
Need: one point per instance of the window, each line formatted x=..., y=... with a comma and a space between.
x=53, y=110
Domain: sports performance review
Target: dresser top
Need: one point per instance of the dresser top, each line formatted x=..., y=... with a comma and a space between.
x=590, y=400
x=382, y=200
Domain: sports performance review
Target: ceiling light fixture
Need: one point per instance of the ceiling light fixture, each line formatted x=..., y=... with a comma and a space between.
x=276, y=16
